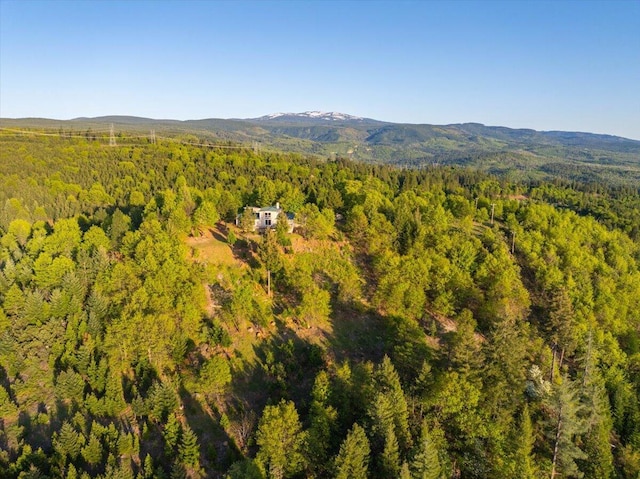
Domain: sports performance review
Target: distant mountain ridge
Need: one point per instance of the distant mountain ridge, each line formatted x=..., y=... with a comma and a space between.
x=418, y=131
x=520, y=152
x=322, y=116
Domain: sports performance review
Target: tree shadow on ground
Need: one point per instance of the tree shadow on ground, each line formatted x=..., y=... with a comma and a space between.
x=364, y=334
x=244, y=250
x=217, y=449
x=220, y=232
x=284, y=367
x=286, y=362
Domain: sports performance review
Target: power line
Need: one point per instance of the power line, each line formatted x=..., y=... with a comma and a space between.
x=153, y=139
x=27, y=132
x=63, y=134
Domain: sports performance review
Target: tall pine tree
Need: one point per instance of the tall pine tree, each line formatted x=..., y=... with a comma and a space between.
x=352, y=461
x=425, y=464
x=523, y=459
x=564, y=425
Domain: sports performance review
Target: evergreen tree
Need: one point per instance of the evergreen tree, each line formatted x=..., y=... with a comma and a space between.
x=171, y=434
x=245, y=469
x=598, y=460
x=464, y=353
x=382, y=418
x=562, y=326
x=72, y=472
x=357, y=224
x=389, y=383
x=352, y=461
x=231, y=238
x=205, y=215
x=597, y=416
x=280, y=440
x=282, y=231
x=178, y=471
x=523, y=459
x=163, y=400
x=504, y=369
x=248, y=220
x=323, y=421
x=189, y=450
x=425, y=464
x=390, y=457
x=34, y=473
x=68, y=442
x=118, y=226
x=92, y=452
x=215, y=375
x=147, y=469
x=564, y=425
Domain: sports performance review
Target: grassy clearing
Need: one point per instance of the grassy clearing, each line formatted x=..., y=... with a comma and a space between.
x=212, y=247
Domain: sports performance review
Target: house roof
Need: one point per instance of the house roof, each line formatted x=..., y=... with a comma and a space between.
x=271, y=208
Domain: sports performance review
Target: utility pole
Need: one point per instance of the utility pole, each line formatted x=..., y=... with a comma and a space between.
x=477, y=198
x=269, y=282
x=513, y=242
x=152, y=136
x=493, y=207
x=112, y=137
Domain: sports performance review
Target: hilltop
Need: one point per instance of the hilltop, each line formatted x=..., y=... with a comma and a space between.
x=436, y=318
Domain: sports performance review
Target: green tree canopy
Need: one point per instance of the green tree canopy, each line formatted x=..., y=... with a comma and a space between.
x=280, y=440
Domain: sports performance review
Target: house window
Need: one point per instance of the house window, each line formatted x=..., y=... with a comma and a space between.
x=267, y=219
x=267, y=222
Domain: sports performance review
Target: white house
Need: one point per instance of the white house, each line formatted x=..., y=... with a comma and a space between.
x=267, y=217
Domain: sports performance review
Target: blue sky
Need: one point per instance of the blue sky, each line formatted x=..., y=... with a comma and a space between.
x=546, y=65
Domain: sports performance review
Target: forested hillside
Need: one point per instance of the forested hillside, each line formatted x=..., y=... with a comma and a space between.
x=522, y=154
x=433, y=323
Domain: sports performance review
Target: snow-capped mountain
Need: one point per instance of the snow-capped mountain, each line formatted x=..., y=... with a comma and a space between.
x=312, y=115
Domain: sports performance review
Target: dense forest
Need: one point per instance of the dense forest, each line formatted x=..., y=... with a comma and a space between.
x=432, y=323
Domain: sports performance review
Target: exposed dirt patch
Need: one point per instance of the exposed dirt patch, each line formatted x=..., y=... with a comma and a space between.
x=517, y=197
x=448, y=325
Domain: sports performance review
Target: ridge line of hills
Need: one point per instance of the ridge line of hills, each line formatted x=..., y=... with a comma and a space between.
x=319, y=118
x=521, y=153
